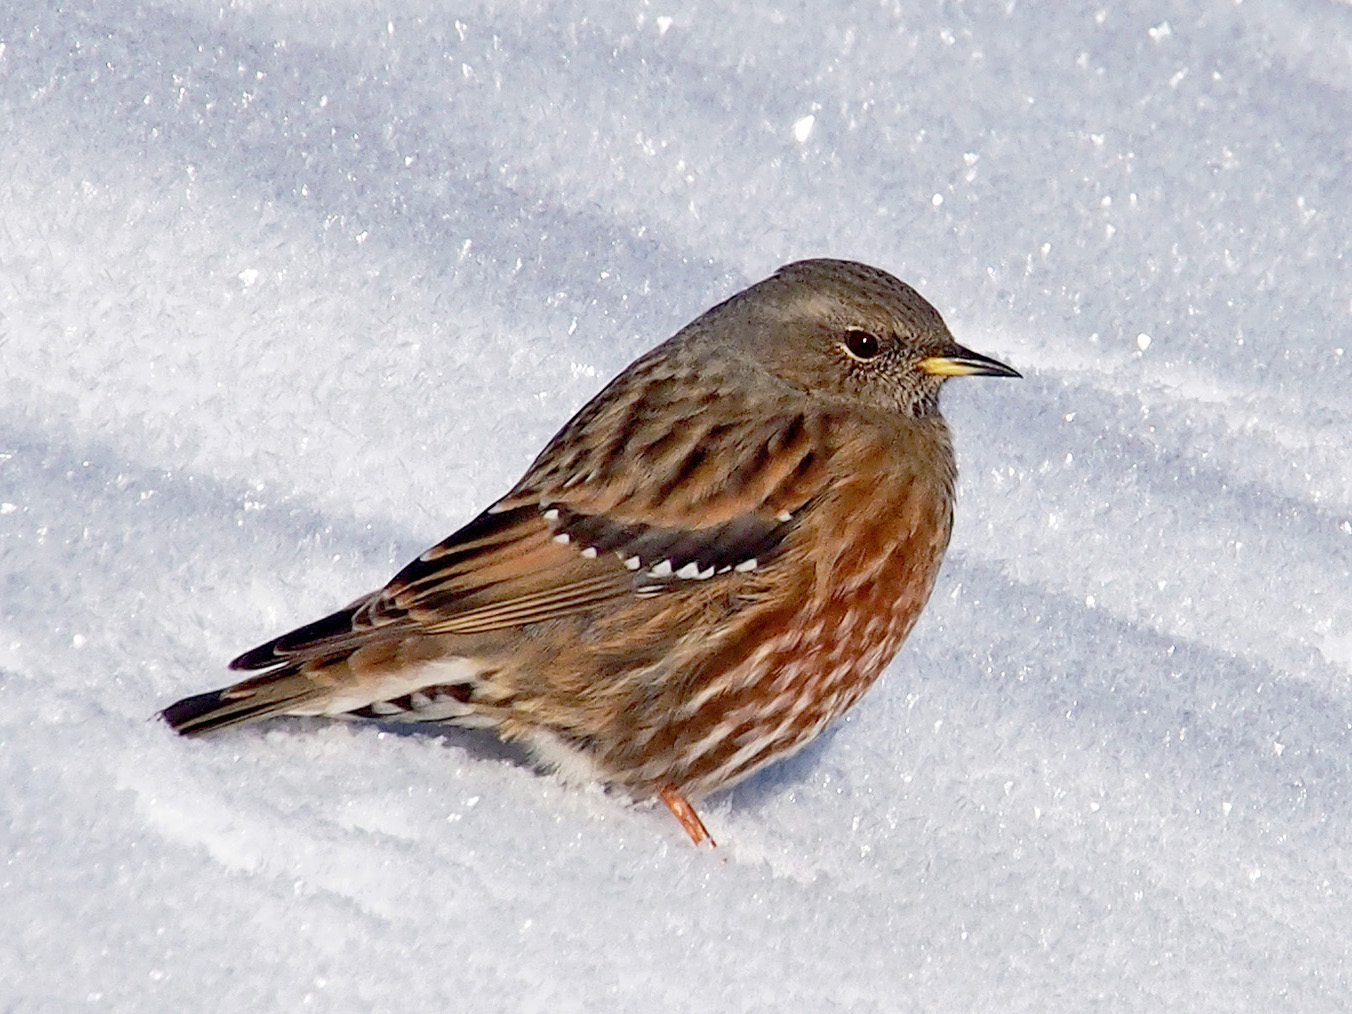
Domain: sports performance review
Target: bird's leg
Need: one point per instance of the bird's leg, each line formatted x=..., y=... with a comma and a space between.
x=682, y=810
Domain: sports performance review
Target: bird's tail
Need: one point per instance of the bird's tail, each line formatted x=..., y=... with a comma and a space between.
x=282, y=692
x=288, y=680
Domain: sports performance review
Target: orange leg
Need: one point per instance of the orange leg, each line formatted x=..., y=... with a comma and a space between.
x=682, y=810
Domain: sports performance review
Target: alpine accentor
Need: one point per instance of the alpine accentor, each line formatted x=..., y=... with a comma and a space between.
x=711, y=561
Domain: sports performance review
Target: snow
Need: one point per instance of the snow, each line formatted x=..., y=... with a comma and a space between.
x=288, y=291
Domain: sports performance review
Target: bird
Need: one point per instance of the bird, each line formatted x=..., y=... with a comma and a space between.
x=708, y=564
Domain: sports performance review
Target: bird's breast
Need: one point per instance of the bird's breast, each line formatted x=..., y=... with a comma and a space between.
x=873, y=565
x=828, y=617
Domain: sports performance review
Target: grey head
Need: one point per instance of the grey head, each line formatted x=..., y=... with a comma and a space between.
x=841, y=331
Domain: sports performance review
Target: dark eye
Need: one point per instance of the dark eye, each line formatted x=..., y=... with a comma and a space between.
x=862, y=344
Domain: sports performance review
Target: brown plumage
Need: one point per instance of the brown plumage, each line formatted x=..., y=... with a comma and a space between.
x=712, y=560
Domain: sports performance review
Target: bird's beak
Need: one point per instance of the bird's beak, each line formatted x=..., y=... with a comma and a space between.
x=966, y=363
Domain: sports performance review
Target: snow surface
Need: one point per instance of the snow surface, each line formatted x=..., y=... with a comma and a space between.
x=290, y=290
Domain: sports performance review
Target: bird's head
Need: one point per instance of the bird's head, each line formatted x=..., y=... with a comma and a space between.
x=845, y=332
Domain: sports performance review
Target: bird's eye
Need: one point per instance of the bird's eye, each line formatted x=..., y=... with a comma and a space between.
x=862, y=344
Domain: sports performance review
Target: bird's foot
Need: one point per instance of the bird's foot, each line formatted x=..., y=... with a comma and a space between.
x=682, y=810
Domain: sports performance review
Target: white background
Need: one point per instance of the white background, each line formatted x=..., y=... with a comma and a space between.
x=290, y=291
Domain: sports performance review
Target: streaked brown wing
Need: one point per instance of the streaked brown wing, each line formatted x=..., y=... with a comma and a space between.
x=503, y=569
x=556, y=548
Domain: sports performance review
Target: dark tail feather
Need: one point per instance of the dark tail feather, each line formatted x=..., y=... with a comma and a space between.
x=281, y=689
x=249, y=701
x=201, y=713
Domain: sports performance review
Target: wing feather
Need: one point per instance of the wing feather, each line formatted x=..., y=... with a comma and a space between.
x=563, y=543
